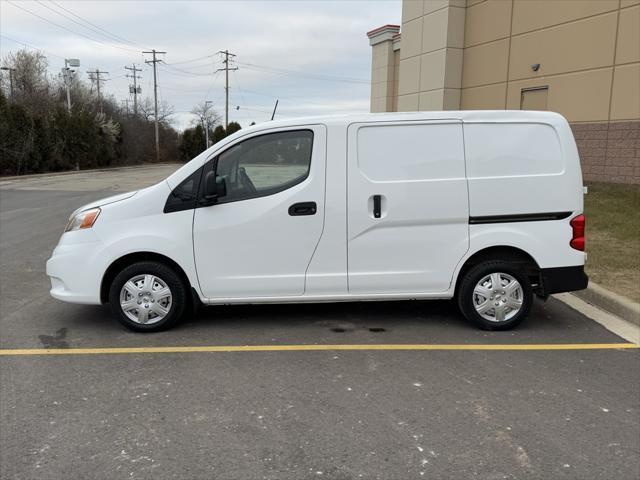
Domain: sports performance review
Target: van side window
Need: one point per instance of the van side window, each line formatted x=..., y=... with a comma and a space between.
x=265, y=165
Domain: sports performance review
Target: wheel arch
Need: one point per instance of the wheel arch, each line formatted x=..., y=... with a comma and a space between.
x=505, y=253
x=131, y=258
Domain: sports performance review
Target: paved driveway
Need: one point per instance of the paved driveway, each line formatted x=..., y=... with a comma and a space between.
x=537, y=405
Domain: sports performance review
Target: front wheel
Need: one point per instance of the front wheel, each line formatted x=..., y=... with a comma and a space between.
x=148, y=297
x=495, y=295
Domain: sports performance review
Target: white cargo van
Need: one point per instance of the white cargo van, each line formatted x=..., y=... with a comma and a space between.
x=484, y=207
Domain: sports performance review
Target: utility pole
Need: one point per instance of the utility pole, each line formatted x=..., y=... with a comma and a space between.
x=135, y=77
x=67, y=76
x=67, y=81
x=226, y=88
x=94, y=76
x=155, y=97
x=10, y=70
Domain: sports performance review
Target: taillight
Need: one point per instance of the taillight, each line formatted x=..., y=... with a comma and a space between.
x=577, y=239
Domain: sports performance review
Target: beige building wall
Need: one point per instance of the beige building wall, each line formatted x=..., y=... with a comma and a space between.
x=384, y=68
x=577, y=57
x=431, y=55
x=578, y=46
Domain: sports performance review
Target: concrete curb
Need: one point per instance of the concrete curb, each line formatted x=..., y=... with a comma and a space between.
x=611, y=302
x=90, y=170
x=624, y=329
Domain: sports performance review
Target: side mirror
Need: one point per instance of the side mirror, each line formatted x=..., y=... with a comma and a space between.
x=214, y=187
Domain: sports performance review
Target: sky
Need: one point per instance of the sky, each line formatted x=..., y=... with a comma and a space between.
x=313, y=56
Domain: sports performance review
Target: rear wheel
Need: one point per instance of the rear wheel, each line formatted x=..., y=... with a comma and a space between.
x=495, y=295
x=148, y=297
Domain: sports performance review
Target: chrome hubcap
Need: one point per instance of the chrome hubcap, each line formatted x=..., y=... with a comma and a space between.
x=145, y=299
x=498, y=297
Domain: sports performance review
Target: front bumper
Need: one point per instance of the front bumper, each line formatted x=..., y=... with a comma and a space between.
x=75, y=269
x=564, y=279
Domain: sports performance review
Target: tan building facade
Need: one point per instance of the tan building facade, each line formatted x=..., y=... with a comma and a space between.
x=577, y=57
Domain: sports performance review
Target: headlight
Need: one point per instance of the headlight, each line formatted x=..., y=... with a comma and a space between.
x=82, y=220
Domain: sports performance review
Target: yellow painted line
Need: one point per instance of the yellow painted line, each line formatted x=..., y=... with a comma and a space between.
x=309, y=348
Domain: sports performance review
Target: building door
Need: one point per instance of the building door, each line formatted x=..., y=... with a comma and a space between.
x=534, y=98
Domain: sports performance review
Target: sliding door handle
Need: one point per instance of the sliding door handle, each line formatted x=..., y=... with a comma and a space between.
x=377, y=206
x=303, y=208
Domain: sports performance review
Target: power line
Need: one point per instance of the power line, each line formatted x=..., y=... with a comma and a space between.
x=313, y=76
x=268, y=112
x=286, y=97
x=279, y=97
x=190, y=67
x=213, y=81
x=186, y=91
x=297, y=73
x=31, y=46
x=244, y=102
x=190, y=61
x=184, y=72
x=257, y=110
x=68, y=29
x=113, y=35
x=108, y=35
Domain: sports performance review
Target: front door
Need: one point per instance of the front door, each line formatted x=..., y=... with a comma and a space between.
x=258, y=240
x=407, y=206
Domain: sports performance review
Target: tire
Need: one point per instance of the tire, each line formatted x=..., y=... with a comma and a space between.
x=481, y=279
x=147, y=284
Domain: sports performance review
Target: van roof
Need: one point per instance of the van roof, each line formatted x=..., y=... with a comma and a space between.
x=463, y=115
x=472, y=116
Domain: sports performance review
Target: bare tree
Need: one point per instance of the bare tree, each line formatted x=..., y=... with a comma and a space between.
x=207, y=118
x=206, y=115
x=30, y=81
x=146, y=110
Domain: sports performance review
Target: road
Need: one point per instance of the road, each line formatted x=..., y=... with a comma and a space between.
x=282, y=414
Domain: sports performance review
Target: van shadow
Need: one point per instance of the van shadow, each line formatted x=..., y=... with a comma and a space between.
x=382, y=322
x=339, y=317
x=393, y=321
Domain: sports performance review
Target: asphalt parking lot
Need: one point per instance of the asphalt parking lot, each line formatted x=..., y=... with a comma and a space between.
x=531, y=403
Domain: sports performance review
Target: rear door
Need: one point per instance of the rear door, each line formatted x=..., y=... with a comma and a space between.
x=258, y=240
x=407, y=206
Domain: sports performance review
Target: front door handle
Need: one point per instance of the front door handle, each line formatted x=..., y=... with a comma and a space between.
x=303, y=208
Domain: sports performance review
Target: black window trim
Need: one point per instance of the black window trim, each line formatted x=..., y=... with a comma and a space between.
x=187, y=204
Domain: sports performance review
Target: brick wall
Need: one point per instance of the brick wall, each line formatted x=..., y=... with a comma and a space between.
x=609, y=152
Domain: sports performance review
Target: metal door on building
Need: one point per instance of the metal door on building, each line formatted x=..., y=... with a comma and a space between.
x=534, y=98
